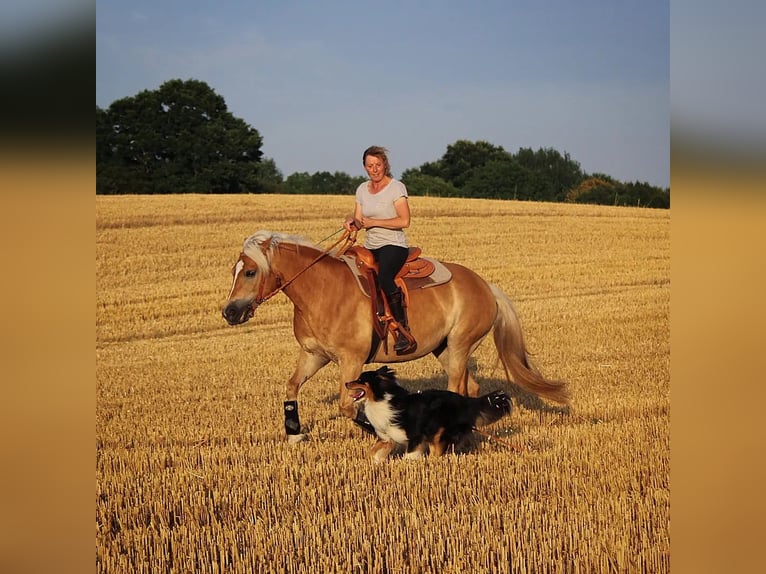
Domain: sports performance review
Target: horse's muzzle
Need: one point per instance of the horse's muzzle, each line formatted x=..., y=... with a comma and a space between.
x=238, y=312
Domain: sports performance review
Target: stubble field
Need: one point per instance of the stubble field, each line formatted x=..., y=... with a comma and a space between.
x=193, y=473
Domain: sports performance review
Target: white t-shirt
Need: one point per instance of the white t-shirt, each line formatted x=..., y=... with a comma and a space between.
x=381, y=206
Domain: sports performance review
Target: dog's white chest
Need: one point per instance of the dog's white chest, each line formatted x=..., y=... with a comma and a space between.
x=381, y=415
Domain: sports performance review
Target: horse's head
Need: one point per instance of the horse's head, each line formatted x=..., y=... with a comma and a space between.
x=252, y=282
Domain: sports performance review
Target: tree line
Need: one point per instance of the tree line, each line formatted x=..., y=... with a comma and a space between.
x=181, y=138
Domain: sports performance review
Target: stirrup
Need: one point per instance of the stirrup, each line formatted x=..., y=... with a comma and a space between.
x=410, y=344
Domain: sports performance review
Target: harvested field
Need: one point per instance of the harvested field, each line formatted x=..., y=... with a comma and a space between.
x=193, y=473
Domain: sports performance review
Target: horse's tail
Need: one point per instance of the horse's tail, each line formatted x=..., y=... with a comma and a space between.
x=509, y=341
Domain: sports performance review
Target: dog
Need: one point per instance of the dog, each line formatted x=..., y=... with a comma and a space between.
x=429, y=420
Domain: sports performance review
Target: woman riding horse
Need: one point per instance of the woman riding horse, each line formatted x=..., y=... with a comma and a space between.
x=382, y=210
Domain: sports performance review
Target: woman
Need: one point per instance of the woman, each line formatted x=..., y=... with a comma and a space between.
x=382, y=210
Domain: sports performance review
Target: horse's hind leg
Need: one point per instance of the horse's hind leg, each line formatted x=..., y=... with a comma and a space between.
x=459, y=378
x=308, y=365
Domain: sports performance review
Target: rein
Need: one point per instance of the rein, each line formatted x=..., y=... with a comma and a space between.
x=348, y=237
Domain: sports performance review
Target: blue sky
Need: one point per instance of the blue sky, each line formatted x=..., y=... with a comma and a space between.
x=719, y=74
x=321, y=81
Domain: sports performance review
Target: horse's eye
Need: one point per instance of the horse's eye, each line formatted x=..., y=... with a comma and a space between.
x=250, y=273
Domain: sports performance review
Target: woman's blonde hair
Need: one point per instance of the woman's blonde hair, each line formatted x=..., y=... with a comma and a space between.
x=379, y=152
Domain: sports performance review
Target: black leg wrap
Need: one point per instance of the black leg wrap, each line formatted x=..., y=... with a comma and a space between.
x=361, y=421
x=292, y=423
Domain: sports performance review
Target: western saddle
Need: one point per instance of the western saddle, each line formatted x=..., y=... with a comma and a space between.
x=414, y=268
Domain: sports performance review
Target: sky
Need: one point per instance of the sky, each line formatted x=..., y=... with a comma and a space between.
x=719, y=74
x=321, y=81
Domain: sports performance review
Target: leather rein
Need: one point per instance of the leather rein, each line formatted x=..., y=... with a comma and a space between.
x=348, y=237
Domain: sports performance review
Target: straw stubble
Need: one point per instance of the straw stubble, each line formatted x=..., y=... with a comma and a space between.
x=193, y=473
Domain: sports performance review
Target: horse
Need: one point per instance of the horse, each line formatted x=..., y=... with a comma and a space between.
x=332, y=321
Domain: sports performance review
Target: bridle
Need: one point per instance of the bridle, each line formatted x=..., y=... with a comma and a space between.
x=348, y=237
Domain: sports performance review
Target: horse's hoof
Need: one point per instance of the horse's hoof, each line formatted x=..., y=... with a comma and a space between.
x=296, y=438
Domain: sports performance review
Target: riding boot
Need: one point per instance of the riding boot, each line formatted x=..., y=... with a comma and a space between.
x=403, y=344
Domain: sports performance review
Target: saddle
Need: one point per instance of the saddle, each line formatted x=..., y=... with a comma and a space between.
x=366, y=270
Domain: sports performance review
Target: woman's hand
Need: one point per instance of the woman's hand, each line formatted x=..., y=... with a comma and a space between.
x=351, y=225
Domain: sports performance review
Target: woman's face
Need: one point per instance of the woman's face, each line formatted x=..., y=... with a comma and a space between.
x=375, y=168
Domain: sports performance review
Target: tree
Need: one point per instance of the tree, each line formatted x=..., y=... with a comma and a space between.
x=298, y=183
x=641, y=194
x=421, y=184
x=269, y=176
x=605, y=190
x=346, y=184
x=497, y=179
x=179, y=138
x=551, y=175
x=481, y=169
x=464, y=156
x=593, y=190
x=322, y=182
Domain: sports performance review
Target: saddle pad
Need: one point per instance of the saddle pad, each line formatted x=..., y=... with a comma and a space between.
x=440, y=275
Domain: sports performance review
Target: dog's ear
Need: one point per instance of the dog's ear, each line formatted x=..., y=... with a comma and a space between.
x=386, y=374
x=369, y=377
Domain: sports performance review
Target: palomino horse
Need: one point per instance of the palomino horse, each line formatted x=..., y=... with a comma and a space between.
x=332, y=320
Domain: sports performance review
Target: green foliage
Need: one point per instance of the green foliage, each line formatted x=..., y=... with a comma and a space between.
x=298, y=183
x=641, y=194
x=269, y=176
x=428, y=185
x=605, y=190
x=463, y=157
x=321, y=182
x=594, y=190
x=179, y=138
x=550, y=175
x=497, y=179
x=482, y=170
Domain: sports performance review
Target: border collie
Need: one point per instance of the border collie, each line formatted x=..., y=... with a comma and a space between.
x=432, y=419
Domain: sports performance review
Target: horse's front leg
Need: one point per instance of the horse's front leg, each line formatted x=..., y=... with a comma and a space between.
x=308, y=365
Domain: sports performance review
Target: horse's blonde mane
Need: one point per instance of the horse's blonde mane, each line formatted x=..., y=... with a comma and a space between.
x=253, y=246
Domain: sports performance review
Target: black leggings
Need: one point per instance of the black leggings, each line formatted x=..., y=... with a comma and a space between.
x=390, y=259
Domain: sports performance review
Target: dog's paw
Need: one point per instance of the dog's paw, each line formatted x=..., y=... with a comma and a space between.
x=296, y=438
x=380, y=456
x=414, y=455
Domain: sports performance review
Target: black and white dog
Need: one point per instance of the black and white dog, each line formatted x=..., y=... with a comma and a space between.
x=431, y=419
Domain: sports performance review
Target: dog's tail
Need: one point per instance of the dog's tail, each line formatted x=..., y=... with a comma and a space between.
x=492, y=407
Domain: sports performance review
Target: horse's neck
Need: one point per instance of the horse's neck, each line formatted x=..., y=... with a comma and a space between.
x=301, y=266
